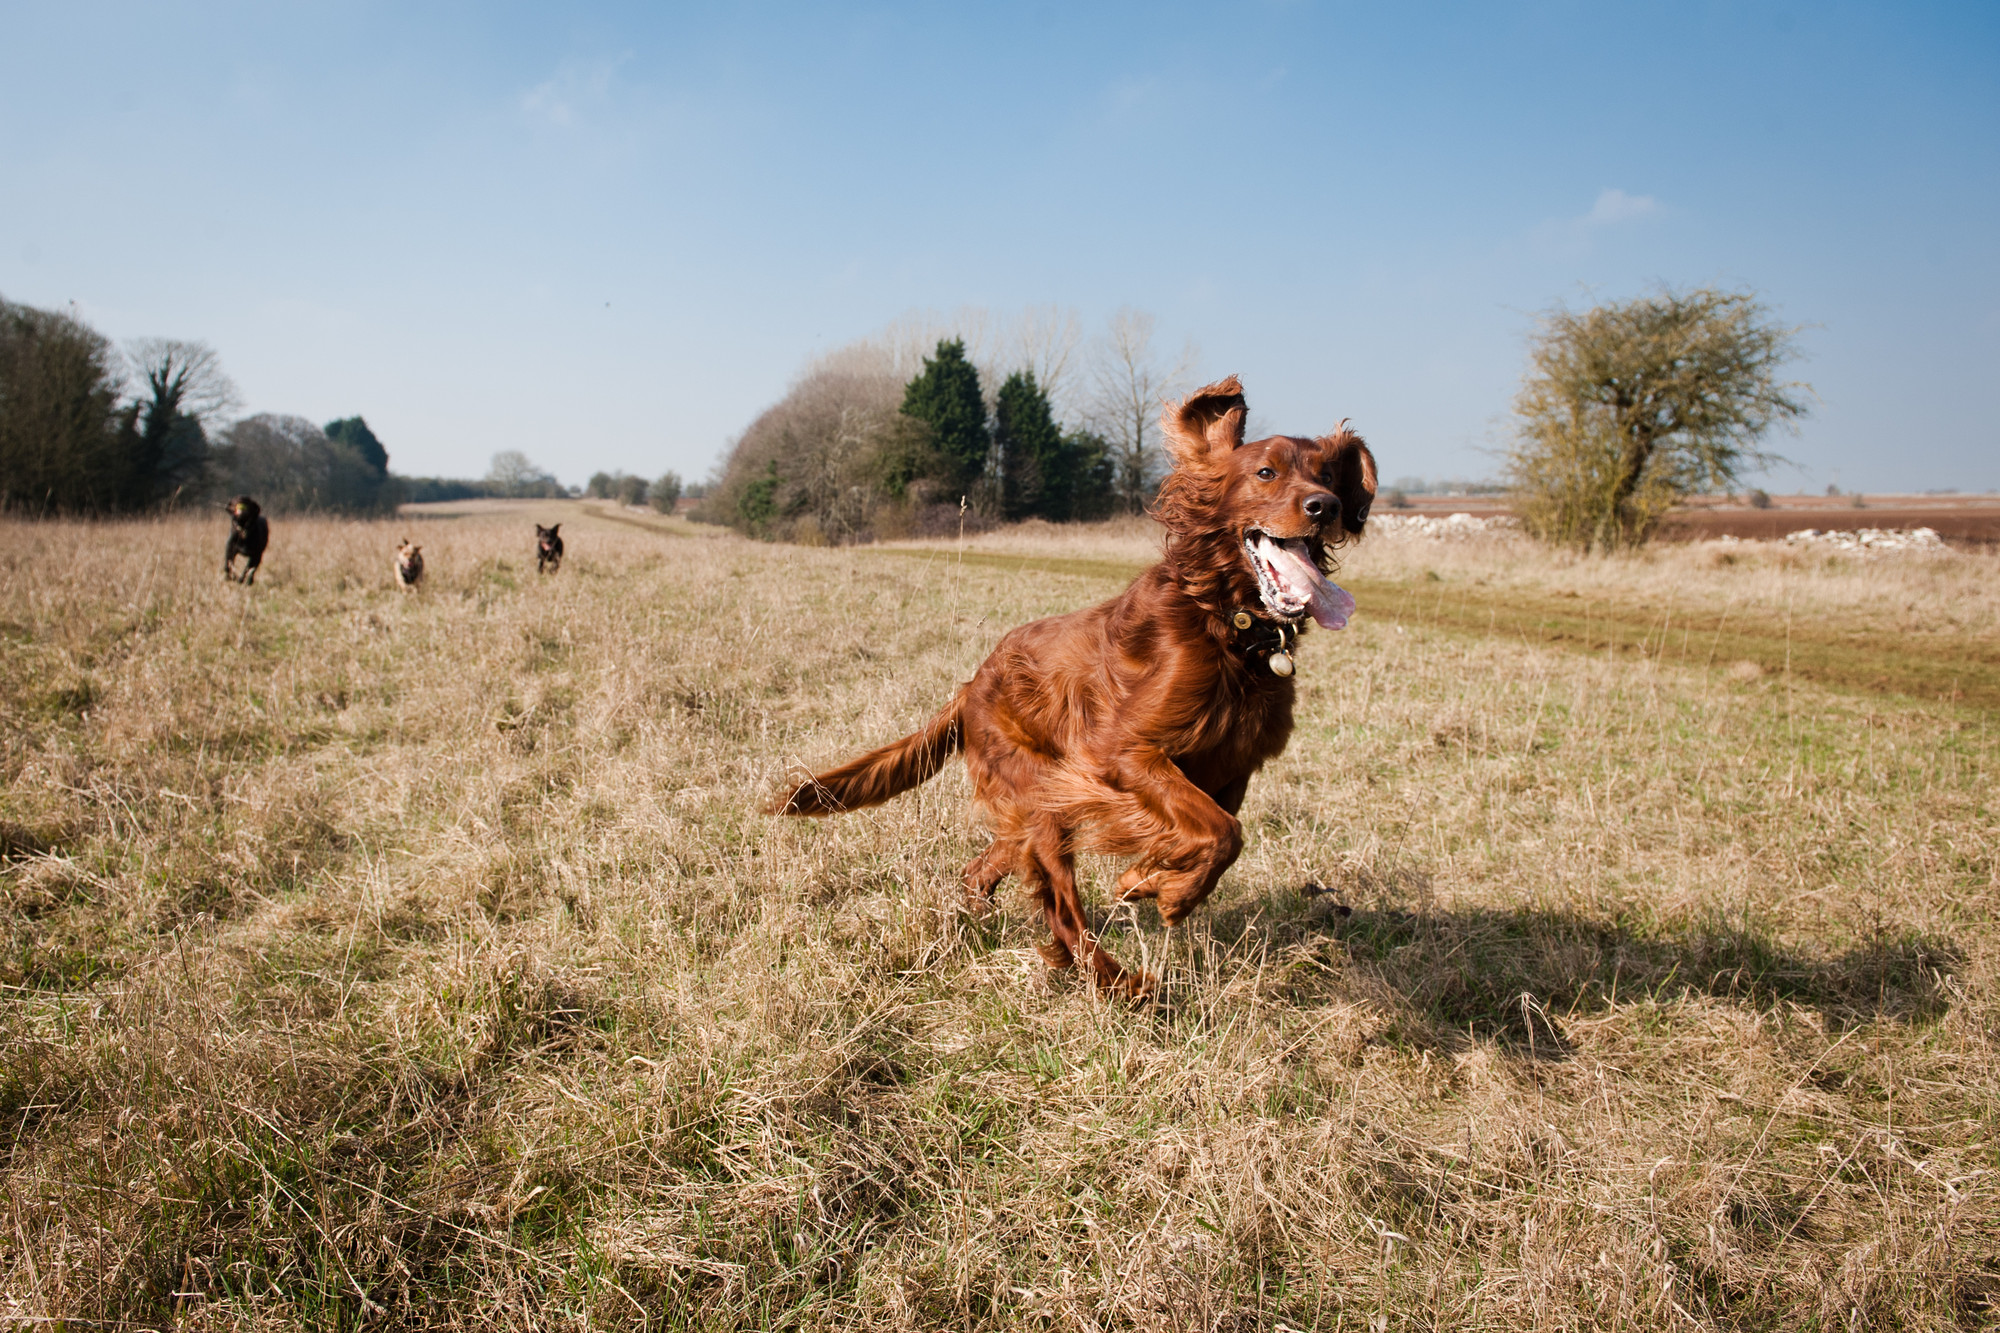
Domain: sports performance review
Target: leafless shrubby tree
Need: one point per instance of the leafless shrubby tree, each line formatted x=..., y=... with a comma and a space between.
x=290, y=464
x=1129, y=381
x=833, y=460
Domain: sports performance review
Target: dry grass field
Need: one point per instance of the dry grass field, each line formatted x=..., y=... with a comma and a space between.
x=1614, y=948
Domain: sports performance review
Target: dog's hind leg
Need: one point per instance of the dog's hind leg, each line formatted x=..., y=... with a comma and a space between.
x=1051, y=869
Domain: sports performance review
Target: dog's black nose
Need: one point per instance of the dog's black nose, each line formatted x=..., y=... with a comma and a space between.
x=1322, y=507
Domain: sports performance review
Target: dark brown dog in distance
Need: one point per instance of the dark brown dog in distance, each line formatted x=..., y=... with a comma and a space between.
x=548, y=549
x=409, y=564
x=249, y=534
x=1133, y=727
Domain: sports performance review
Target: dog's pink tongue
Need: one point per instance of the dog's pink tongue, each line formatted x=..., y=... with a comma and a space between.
x=1328, y=603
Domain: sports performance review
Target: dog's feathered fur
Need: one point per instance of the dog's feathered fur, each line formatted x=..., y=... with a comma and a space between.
x=1133, y=727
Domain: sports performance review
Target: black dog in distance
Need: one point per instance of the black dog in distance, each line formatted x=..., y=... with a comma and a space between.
x=548, y=549
x=249, y=534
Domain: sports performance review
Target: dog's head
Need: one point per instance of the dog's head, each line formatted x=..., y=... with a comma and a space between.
x=1270, y=509
x=243, y=510
x=546, y=537
x=407, y=552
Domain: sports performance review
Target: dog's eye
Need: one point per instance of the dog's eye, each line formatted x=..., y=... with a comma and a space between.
x=1267, y=473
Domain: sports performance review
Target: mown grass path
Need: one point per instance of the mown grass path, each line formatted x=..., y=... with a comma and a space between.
x=1958, y=668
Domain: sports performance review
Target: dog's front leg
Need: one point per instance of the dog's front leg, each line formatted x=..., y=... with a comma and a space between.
x=1183, y=837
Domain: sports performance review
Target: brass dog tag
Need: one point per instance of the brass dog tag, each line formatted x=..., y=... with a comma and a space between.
x=1281, y=664
x=1243, y=620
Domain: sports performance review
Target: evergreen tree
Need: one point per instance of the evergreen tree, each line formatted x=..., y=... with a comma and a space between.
x=1079, y=479
x=945, y=396
x=354, y=432
x=372, y=486
x=1027, y=440
x=759, y=503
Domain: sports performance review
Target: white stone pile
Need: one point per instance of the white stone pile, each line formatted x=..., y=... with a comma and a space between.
x=1866, y=541
x=1457, y=527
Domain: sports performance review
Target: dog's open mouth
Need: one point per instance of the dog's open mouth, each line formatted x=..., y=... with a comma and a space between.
x=1290, y=582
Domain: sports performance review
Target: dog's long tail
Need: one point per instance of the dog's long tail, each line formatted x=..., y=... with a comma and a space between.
x=879, y=774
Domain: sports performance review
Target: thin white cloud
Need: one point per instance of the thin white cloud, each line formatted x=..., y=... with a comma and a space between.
x=1614, y=206
x=576, y=84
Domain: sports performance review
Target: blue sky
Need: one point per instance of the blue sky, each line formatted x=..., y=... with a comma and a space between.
x=609, y=234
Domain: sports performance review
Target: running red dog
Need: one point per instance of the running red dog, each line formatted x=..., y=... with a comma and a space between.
x=1133, y=727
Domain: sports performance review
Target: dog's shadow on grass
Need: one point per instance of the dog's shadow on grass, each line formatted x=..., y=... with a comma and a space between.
x=1513, y=975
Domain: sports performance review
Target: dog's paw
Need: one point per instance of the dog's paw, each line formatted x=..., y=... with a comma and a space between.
x=1137, y=882
x=1139, y=987
x=1056, y=954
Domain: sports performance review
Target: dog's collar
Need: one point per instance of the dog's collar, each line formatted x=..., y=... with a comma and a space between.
x=1261, y=638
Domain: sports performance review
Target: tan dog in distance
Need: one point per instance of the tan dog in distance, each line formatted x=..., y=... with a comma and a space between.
x=409, y=564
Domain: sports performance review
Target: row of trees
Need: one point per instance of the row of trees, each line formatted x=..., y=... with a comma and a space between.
x=86, y=427
x=289, y=463
x=1626, y=409
x=934, y=421
x=662, y=493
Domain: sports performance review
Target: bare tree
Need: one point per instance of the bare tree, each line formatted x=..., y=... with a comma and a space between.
x=1045, y=342
x=514, y=474
x=185, y=377
x=186, y=396
x=1044, y=339
x=1128, y=384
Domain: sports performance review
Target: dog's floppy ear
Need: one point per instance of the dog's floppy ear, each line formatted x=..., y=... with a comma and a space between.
x=1206, y=426
x=1353, y=475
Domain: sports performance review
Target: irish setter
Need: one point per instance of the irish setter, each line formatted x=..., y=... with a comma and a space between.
x=1133, y=727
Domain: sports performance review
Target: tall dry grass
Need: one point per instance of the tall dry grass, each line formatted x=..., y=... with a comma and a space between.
x=420, y=960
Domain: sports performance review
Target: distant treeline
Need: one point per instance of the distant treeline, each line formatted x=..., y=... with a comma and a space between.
x=86, y=428
x=512, y=477
x=897, y=435
x=89, y=428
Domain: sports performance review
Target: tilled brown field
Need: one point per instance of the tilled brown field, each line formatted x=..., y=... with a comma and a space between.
x=1966, y=522
x=1962, y=525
